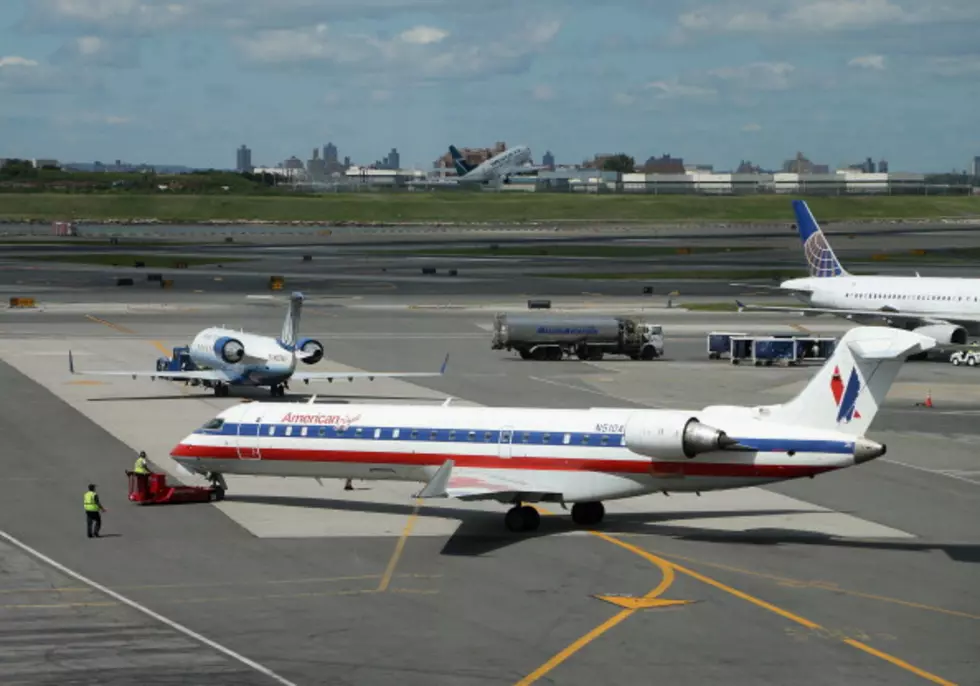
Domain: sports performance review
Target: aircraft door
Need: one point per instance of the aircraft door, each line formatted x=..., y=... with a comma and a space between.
x=505, y=444
x=249, y=438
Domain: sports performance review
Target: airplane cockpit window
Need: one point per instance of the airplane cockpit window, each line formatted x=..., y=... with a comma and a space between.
x=214, y=425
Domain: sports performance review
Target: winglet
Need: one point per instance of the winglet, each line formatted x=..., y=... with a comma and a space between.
x=436, y=488
x=445, y=363
x=71, y=363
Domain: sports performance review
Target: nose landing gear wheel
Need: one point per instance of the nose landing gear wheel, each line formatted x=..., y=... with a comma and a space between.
x=588, y=514
x=524, y=518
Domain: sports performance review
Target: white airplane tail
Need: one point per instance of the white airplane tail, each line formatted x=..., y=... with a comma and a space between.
x=290, y=327
x=847, y=392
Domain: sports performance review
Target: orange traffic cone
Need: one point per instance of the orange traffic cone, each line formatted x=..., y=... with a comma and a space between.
x=928, y=402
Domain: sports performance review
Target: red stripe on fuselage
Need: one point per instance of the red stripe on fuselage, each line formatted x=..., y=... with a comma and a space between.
x=609, y=466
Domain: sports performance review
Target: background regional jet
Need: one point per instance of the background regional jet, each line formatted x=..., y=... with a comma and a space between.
x=943, y=308
x=220, y=358
x=500, y=168
x=524, y=455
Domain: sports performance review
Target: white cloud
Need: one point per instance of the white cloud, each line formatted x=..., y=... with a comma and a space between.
x=751, y=128
x=419, y=55
x=675, y=89
x=424, y=35
x=543, y=93
x=876, y=62
x=95, y=50
x=757, y=76
x=134, y=16
x=15, y=61
x=624, y=99
x=964, y=65
x=797, y=16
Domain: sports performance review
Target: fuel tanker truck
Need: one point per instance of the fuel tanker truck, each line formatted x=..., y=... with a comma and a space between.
x=586, y=337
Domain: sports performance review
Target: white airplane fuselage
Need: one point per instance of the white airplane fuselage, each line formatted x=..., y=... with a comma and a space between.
x=249, y=358
x=926, y=296
x=508, y=162
x=586, y=454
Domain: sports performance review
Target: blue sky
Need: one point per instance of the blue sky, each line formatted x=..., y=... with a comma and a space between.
x=713, y=81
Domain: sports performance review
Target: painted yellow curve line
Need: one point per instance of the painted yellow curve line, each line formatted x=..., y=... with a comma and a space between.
x=668, y=569
x=399, y=548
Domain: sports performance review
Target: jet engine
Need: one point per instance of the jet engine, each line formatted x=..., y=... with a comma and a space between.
x=313, y=350
x=229, y=349
x=670, y=435
x=944, y=334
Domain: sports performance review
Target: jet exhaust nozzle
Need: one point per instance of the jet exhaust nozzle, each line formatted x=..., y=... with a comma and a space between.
x=865, y=450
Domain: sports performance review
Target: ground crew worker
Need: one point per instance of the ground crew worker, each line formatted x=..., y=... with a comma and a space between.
x=349, y=486
x=93, y=512
x=142, y=467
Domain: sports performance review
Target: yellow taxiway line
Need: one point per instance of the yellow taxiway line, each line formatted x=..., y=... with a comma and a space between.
x=399, y=547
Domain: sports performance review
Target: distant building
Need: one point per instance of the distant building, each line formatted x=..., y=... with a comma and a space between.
x=664, y=165
x=316, y=167
x=801, y=165
x=330, y=154
x=747, y=167
x=391, y=161
x=548, y=160
x=976, y=166
x=243, y=159
x=882, y=166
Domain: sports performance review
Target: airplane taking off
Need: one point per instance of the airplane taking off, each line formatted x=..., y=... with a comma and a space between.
x=527, y=455
x=498, y=168
x=223, y=357
x=943, y=308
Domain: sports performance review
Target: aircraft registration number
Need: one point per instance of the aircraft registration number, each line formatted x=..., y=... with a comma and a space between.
x=610, y=428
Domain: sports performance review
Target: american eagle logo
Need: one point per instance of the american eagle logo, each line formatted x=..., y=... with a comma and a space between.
x=845, y=397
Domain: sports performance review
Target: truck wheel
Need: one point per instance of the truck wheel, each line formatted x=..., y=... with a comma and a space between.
x=955, y=361
x=972, y=361
x=648, y=354
x=525, y=355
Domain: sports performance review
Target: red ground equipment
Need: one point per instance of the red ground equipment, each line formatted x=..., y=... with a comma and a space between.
x=153, y=489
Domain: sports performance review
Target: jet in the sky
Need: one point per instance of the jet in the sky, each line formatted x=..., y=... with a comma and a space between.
x=499, y=168
x=220, y=358
x=525, y=455
x=944, y=308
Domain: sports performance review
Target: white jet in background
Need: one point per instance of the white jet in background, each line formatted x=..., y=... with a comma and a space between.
x=944, y=308
x=499, y=168
x=522, y=455
x=220, y=358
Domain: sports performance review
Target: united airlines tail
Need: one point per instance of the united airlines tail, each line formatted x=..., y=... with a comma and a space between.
x=462, y=166
x=290, y=327
x=849, y=389
x=819, y=255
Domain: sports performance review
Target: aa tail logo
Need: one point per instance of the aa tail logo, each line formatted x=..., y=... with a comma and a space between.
x=845, y=398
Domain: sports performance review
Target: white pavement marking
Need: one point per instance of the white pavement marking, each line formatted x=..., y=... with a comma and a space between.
x=147, y=611
x=275, y=507
x=937, y=472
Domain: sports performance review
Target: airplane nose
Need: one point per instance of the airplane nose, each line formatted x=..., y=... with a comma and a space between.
x=866, y=450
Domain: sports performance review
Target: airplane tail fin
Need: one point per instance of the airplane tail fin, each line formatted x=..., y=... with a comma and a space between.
x=290, y=327
x=847, y=392
x=462, y=166
x=820, y=256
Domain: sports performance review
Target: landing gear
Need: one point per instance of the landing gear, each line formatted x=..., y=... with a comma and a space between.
x=588, y=514
x=220, y=390
x=277, y=391
x=522, y=518
x=218, y=484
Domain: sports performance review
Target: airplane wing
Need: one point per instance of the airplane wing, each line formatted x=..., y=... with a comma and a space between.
x=306, y=377
x=202, y=374
x=469, y=483
x=889, y=316
x=781, y=289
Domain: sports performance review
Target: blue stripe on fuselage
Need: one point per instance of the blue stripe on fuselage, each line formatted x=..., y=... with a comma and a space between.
x=557, y=438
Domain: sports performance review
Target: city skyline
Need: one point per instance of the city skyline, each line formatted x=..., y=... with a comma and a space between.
x=185, y=83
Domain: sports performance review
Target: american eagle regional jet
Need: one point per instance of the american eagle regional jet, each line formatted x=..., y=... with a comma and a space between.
x=946, y=309
x=520, y=455
x=225, y=357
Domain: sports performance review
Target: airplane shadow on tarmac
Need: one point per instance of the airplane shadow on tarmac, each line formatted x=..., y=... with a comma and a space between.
x=482, y=532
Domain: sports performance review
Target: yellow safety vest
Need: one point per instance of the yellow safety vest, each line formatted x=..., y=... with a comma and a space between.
x=90, y=504
x=141, y=467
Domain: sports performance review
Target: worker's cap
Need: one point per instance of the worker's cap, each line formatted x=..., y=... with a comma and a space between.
x=142, y=453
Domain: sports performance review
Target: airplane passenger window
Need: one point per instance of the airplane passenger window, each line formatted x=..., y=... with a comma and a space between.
x=214, y=424
x=377, y=433
x=289, y=431
x=471, y=436
x=358, y=432
x=272, y=430
x=526, y=437
x=567, y=439
x=303, y=432
x=585, y=439
x=433, y=435
x=622, y=440
x=486, y=436
x=452, y=435
x=394, y=434
x=323, y=431
x=605, y=440
x=546, y=438
x=415, y=434
x=340, y=431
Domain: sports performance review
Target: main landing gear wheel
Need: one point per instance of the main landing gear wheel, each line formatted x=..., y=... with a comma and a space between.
x=277, y=391
x=220, y=390
x=588, y=514
x=524, y=518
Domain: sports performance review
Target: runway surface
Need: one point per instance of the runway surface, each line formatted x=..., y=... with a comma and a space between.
x=863, y=576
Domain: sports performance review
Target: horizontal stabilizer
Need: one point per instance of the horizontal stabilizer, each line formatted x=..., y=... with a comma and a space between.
x=870, y=343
